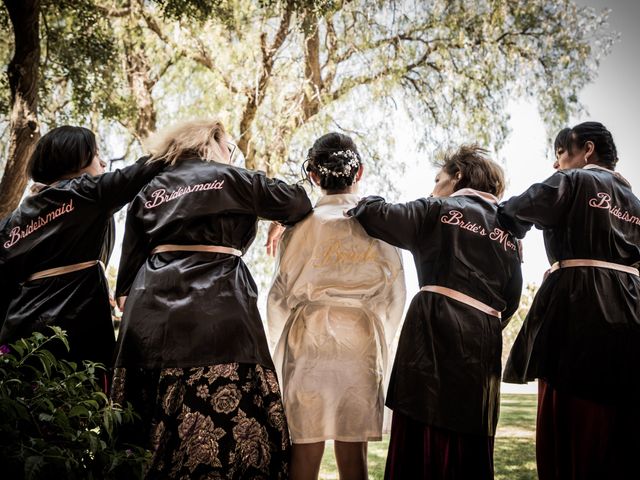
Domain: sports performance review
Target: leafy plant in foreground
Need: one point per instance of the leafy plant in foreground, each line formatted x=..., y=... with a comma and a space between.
x=55, y=421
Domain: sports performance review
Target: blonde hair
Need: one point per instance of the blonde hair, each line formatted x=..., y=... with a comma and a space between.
x=192, y=137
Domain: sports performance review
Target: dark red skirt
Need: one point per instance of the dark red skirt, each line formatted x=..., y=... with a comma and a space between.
x=578, y=439
x=420, y=451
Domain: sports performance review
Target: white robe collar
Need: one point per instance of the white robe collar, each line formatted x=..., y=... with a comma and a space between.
x=339, y=199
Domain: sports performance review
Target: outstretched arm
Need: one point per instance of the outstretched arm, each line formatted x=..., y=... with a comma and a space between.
x=115, y=189
x=543, y=205
x=276, y=200
x=399, y=224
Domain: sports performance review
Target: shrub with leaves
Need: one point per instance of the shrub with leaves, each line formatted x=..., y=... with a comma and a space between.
x=55, y=421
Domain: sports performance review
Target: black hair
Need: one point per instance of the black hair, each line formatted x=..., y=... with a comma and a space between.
x=562, y=141
x=335, y=159
x=476, y=169
x=602, y=139
x=60, y=152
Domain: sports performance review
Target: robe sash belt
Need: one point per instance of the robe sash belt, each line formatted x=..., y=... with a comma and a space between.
x=580, y=262
x=196, y=248
x=463, y=298
x=54, y=272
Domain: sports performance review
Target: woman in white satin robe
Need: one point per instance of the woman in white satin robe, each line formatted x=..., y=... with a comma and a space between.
x=333, y=310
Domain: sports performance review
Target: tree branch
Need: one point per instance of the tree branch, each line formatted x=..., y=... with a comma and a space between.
x=114, y=12
x=256, y=96
x=201, y=56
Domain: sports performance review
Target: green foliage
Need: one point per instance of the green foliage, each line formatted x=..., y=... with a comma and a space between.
x=78, y=58
x=199, y=10
x=56, y=421
x=452, y=66
x=515, y=452
x=223, y=10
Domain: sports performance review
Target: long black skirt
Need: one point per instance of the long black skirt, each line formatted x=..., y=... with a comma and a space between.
x=217, y=422
x=420, y=451
x=580, y=439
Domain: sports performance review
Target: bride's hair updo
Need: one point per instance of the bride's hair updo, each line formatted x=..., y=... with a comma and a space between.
x=334, y=158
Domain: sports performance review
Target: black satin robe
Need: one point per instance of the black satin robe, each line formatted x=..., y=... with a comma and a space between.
x=69, y=222
x=447, y=367
x=187, y=309
x=582, y=333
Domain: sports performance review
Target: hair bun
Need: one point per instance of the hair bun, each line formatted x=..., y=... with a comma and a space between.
x=335, y=159
x=348, y=164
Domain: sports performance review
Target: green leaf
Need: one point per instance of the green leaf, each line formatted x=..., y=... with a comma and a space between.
x=79, y=411
x=91, y=404
x=45, y=417
x=108, y=423
x=53, y=362
x=18, y=348
x=32, y=466
x=46, y=365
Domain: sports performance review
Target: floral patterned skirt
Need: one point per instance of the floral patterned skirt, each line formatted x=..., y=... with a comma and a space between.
x=217, y=422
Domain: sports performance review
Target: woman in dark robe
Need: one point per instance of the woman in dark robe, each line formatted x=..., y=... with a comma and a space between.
x=581, y=338
x=192, y=354
x=445, y=383
x=54, y=246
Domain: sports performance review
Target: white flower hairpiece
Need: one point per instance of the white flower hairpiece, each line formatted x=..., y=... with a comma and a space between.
x=353, y=162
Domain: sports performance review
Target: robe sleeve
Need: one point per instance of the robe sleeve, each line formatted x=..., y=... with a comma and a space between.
x=135, y=251
x=396, y=297
x=399, y=224
x=113, y=190
x=276, y=200
x=543, y=205
x=278, y=310
x=512, y=295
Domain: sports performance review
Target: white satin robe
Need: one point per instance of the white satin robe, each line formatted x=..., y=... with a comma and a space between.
x=332, y=311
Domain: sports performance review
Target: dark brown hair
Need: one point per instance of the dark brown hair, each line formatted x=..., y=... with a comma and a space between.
x=602, y=139
x=335, y=159
x=60, y=152
x=562, y=141
x=476, y=169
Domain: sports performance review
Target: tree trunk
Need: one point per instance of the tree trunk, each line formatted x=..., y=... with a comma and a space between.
x=257, y=96
x=23, y=73
x=141, y=86
x=139, y=76
x=312, y=71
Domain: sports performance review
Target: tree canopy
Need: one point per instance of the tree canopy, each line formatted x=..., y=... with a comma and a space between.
x=280, y=72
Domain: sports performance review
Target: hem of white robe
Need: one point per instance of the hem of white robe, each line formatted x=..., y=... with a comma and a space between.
x=340, y=438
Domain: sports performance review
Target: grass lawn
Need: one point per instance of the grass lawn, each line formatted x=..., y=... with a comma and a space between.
x=515, y=457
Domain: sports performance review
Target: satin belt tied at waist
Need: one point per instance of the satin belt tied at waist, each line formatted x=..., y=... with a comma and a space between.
x=336, y=302
x=196, y=248
x=581, y=262
x=463, y=298
x=54, y=272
